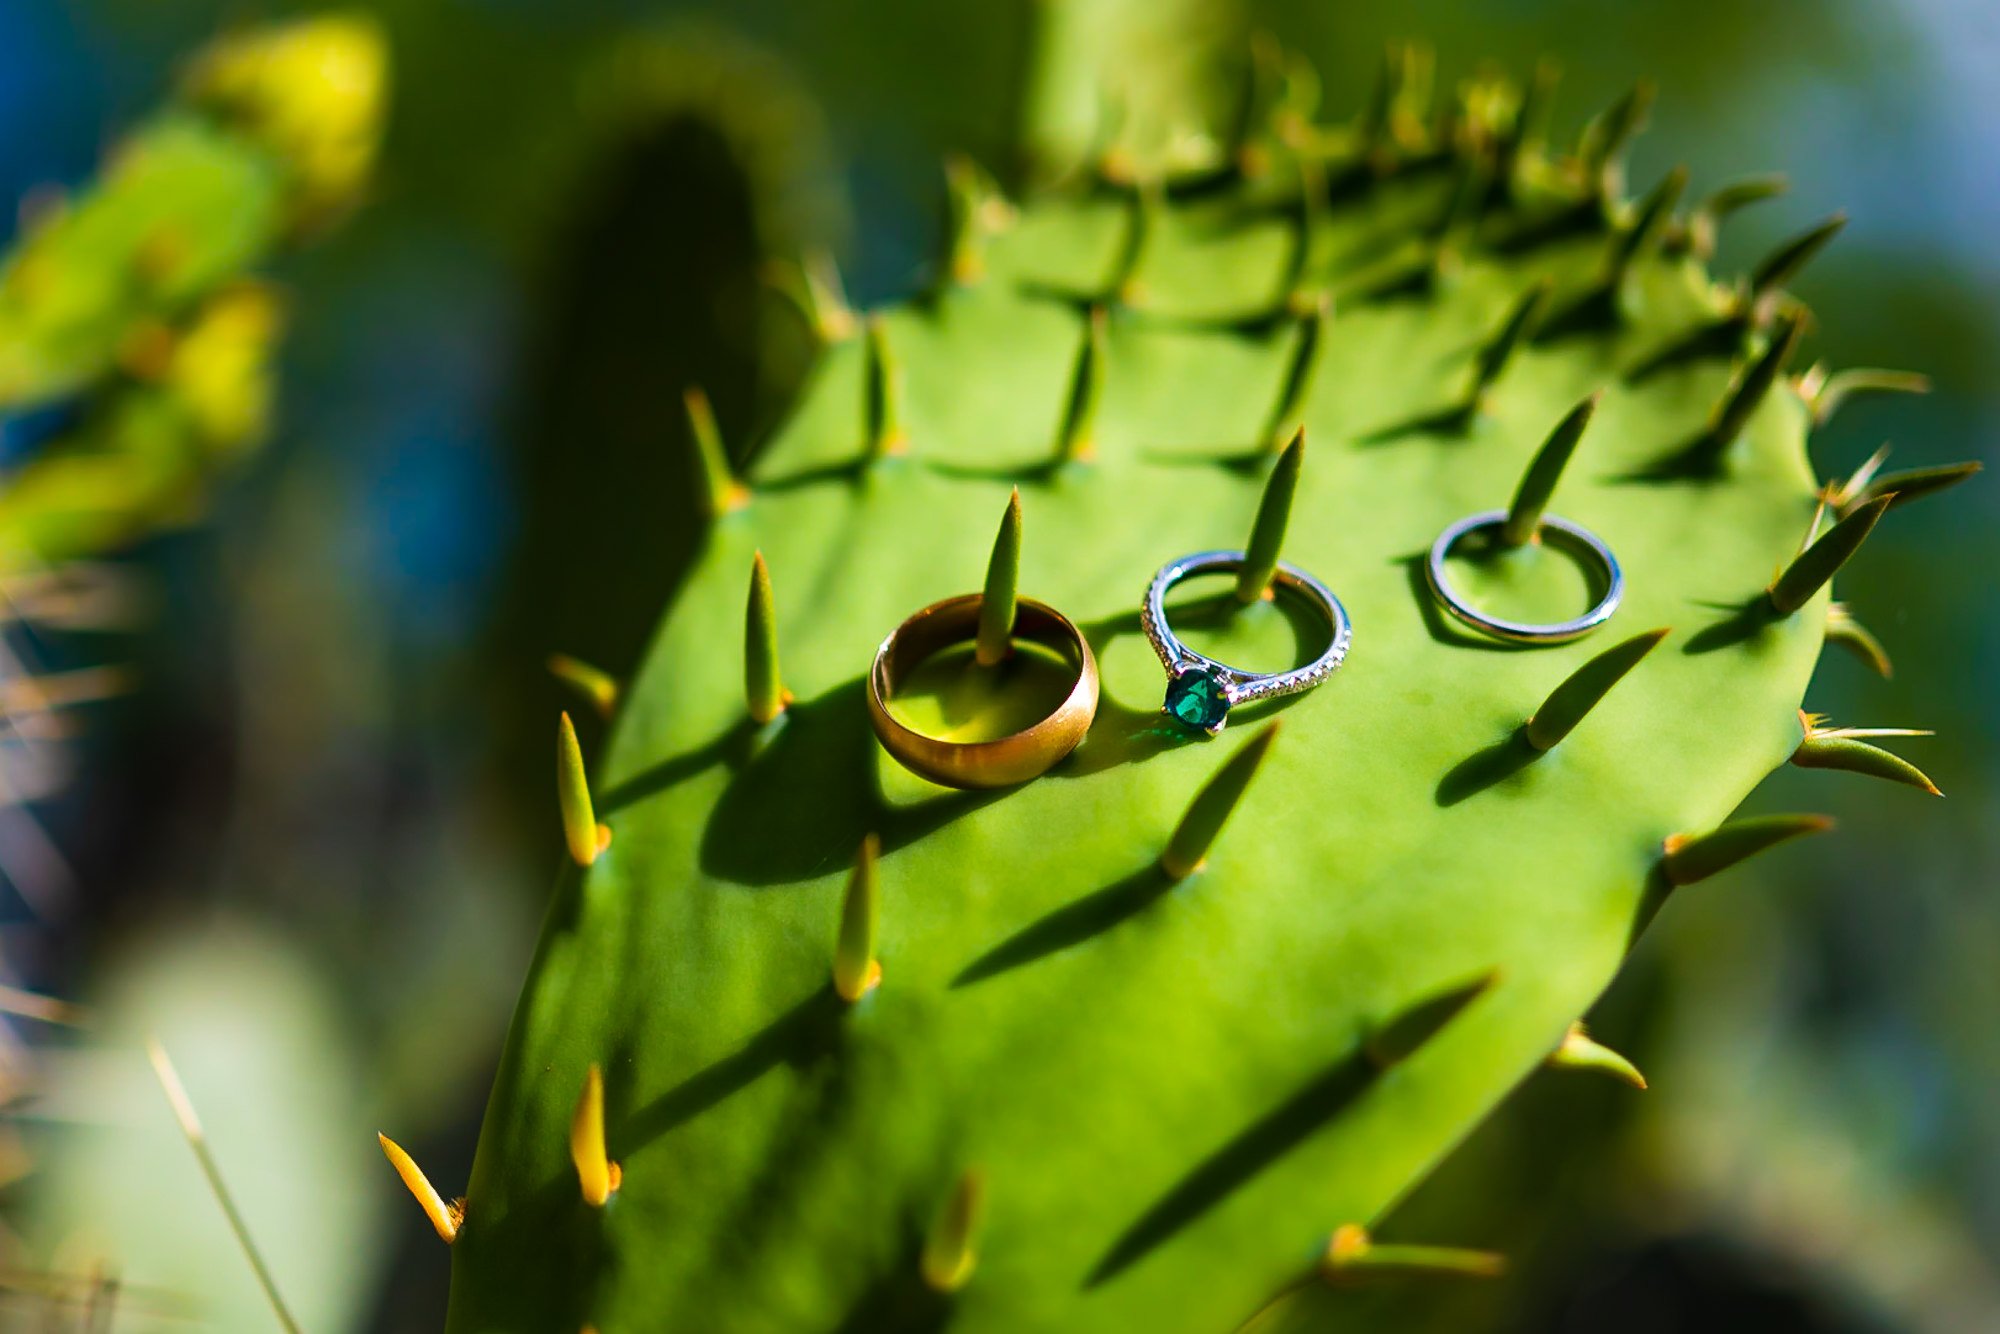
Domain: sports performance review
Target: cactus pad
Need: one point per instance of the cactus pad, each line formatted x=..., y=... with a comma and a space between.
x=1087, y=1093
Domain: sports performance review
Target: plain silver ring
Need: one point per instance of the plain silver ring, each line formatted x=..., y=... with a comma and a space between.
x=1572, y=535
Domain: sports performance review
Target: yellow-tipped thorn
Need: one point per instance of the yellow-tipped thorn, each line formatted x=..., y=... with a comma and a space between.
x=1267, y=532
x=1647, y=228
x=595, y=1172
x=977, y=209
x=833, y=319
x=997, y=604
x=812, y=286
x=1579, y=1051
x=1148, y=203
x=951, y=1250
x=585, y=837
x=1581, y=691
x=1814, y=725
x=1843, y=629
x=1352, y=1256
x=1843, y=494
x=884, y=394
x=1748, y=390
x=598, y=688
x=1824, y=391
x=1687, y=858
x=1848, y=748
x=721, y=493
x=1820, y=561
x=763, y=687
x=446, y=1218
x=856, y=971
x=1524, y=515
x=1348, y=1240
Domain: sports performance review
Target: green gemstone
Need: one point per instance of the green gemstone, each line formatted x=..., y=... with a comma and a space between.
x=1198, y=700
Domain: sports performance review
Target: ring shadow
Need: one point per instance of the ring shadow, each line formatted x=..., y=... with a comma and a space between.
x=1444, y=629
x=803, y=801
x=1123, y=735
x=1119, y=734
x=1441, y=628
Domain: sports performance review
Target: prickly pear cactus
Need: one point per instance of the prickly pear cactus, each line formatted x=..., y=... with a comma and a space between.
x=1158, y=1037
x=133, y=344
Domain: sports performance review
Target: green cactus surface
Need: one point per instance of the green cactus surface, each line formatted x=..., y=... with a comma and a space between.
x=1087, y=1094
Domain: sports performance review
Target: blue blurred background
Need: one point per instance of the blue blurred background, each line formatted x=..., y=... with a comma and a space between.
x=309, y=846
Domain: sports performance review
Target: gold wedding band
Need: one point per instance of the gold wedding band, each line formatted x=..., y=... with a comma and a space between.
x=1003, y=761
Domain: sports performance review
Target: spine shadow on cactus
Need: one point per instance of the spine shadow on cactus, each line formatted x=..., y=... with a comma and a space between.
x=1286, y=1126
x=1566, y=707
x=1810, y=571
x=1102, y=909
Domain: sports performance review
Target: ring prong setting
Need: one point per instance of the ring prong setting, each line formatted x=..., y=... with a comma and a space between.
x=1198, y=699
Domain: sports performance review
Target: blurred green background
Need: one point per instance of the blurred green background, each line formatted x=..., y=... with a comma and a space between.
x=309, y=847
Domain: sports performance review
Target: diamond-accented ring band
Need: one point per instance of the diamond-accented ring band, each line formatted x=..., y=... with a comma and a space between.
x=1200, y=690
x=1558, y=531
